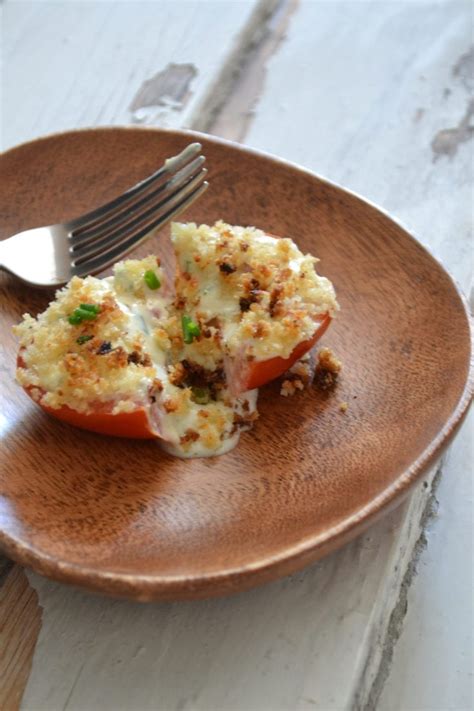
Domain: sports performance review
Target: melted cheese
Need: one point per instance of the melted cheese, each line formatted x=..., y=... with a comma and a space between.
x=264, y=293
x=252, y=295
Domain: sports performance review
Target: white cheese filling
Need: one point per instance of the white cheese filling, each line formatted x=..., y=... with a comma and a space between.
x=250, y=296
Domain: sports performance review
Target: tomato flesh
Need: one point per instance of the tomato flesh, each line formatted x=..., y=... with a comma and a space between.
x=260, y=372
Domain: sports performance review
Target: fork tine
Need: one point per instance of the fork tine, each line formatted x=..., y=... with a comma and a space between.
x=102, y=229
x=119, y=233
x=170, y=166
x=118, y=249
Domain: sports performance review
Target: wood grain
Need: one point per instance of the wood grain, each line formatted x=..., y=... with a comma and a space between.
x=119, y=47
x=20, y=622
x=270, y=648
x=285, y=496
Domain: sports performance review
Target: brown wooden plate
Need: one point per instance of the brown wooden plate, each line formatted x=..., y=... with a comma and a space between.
x=122, y=517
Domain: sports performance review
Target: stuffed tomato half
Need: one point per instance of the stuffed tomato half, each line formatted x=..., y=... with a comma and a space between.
x=134, y=356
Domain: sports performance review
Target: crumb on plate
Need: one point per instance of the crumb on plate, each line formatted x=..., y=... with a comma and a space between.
x=327, y=369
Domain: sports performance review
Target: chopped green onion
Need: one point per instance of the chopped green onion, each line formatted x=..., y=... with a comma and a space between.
x=152, y=280
x=200, y=395
x=191, y=329
x=93, y=308
x=85, y=312
x=83, y=339
x=75, y=318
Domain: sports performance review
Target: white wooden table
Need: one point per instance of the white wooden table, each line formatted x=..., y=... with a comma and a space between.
x=374, y=95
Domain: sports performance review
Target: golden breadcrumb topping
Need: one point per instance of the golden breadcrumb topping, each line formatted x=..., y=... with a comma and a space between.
x=131, y=341
x=99, y=360
x=251, y=293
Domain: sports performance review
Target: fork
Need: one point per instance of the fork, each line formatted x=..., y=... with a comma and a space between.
x=51, y=255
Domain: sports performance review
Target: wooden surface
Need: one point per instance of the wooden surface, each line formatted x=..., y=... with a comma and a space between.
x=20, y=622
x=378, y=106
x=307, y=477
x=434, y=656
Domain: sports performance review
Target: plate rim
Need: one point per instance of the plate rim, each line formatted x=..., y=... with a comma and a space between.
x=292, y=557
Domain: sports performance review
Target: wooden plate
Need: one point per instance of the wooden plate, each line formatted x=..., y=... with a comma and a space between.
x=122, y=517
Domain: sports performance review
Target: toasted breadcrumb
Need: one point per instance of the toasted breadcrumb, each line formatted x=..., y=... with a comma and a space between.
x=343, y=406
x=301, y=375
x=189, y=436
x=327, y=369
x=328, y=361
x=251, y=296
x=289, y=387
x=98, y=360
x=268, y=288
x=298, y=377
x=302, y=369
x=176, y=374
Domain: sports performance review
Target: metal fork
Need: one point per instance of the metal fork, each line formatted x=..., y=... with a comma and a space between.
x=50, y=256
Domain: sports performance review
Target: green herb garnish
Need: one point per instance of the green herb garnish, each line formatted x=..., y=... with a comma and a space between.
x=151, y=280
x=75, y=318
x=93, y=308
x=83, y=339
x=85, y=312
x=191, y=329
x=200, y=395
x=86, y=315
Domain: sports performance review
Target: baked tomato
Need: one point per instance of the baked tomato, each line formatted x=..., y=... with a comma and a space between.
x=133, y=424
x=100, y=418
x=254, y=374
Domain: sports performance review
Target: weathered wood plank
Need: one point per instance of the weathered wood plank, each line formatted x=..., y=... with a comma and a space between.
x=20, y=622
x=72, y=64
x=372, y=105
x=433, y=659
x=272, y=648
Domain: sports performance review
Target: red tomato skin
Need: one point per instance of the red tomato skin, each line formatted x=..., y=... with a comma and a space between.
x=261, y=372
x=134, y=425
